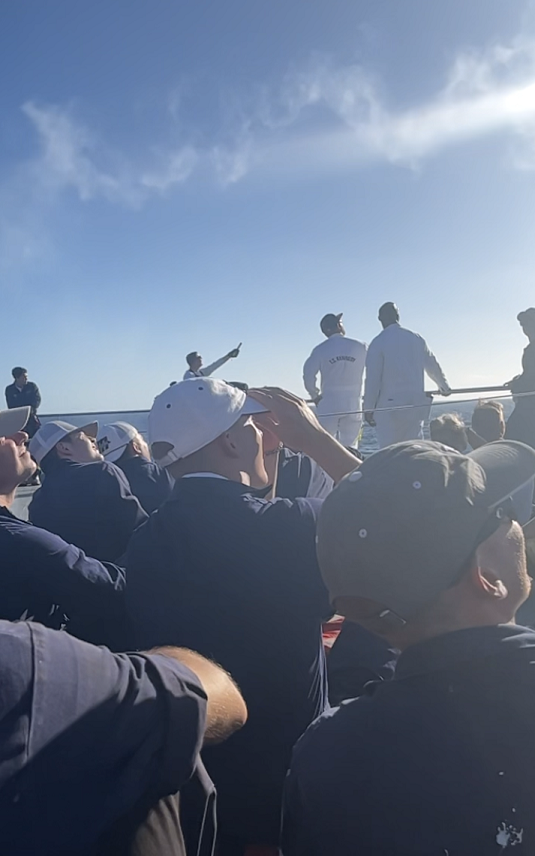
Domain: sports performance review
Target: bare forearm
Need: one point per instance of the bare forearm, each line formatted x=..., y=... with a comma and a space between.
x=331, y=455
x=226, y=709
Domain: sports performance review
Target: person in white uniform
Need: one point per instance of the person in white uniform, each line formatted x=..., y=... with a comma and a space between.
x=196, y=368
x=340, y=361
x=396, y=365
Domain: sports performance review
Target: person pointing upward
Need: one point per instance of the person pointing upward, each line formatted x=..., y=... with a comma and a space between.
x=196, y=368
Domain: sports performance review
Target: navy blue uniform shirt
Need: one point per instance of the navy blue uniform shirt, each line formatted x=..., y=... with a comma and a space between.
x=84, y=735
x=439, y=760
x=47, y=580
x=236, y=578
x=151, y=484
x=89, y=505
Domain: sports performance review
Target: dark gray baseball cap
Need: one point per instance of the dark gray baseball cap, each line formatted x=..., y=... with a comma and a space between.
x=330, y=322
x=400, y=528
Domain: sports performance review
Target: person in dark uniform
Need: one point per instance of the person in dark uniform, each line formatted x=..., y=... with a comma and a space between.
x=41, y=576
x=123, y=445
x=521, y=423
x=84, y=499
x=24, y=393
x=228, y=573
x=97, y=746
x=419, y=546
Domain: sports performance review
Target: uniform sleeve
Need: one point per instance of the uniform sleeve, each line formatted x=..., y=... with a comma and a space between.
x=433, y=369
x=310, y=374
x=36, y=398
x=189, y=374
x=526, y=381
x=104, y=731
x=208, y=370
x=149, y=710
x=374, y=376
x=64, y=573
x=9, y=396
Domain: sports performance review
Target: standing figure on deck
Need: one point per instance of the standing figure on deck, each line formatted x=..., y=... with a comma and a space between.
x=24, y=393
x=396, y=365
x=521, y=423
x=340, y=361
x=196, y=368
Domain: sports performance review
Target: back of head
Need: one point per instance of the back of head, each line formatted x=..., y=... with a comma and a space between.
x=449, y=430
x=331, y=324
x=192, y=358
x=388, y=314
x=488, y=420
x=18, y=371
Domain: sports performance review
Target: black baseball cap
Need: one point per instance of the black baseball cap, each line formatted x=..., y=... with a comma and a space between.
x=330, y=322
x=399, y=529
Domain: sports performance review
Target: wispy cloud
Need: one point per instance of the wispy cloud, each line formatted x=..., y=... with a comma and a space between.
x=72, y=157
x=327, y=117
x=319, y=119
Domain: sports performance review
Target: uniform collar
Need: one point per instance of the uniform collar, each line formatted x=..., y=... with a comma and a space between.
x=456, y=649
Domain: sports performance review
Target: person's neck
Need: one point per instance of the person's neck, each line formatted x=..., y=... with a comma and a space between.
x=6, y=499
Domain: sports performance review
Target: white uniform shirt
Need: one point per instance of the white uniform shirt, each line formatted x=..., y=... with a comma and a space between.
x=206, y=371
x=340, y=362
x=396, y=364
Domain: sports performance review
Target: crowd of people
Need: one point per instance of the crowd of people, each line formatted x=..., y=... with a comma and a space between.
x=165, y=687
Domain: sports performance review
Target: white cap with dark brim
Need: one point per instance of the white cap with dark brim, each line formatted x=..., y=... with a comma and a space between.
x=190, y=415
x=51, y=433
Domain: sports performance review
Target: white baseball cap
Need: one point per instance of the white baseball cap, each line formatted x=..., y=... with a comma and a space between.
x=51, y=433
x=113, y=439
x=12, y=421
x=191, y=414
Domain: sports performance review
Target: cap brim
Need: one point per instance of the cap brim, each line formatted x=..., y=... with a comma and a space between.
x=13, y=421
x=508, y=466
x=251, y=407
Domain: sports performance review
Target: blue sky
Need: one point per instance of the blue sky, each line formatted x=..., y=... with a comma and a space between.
x=180, y=175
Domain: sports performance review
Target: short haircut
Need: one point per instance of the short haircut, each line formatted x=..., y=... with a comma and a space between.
x=488, y=420
x=389, y=311
x=450, y=430
x=18, y=371
x=191, y=357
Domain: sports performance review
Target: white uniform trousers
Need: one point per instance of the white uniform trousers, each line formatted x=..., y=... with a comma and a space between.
x=346, y=427
x=395, y=426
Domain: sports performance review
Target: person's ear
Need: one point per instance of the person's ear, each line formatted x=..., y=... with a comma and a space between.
x=487, y=582
x=63, y=450
x=135, y=445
